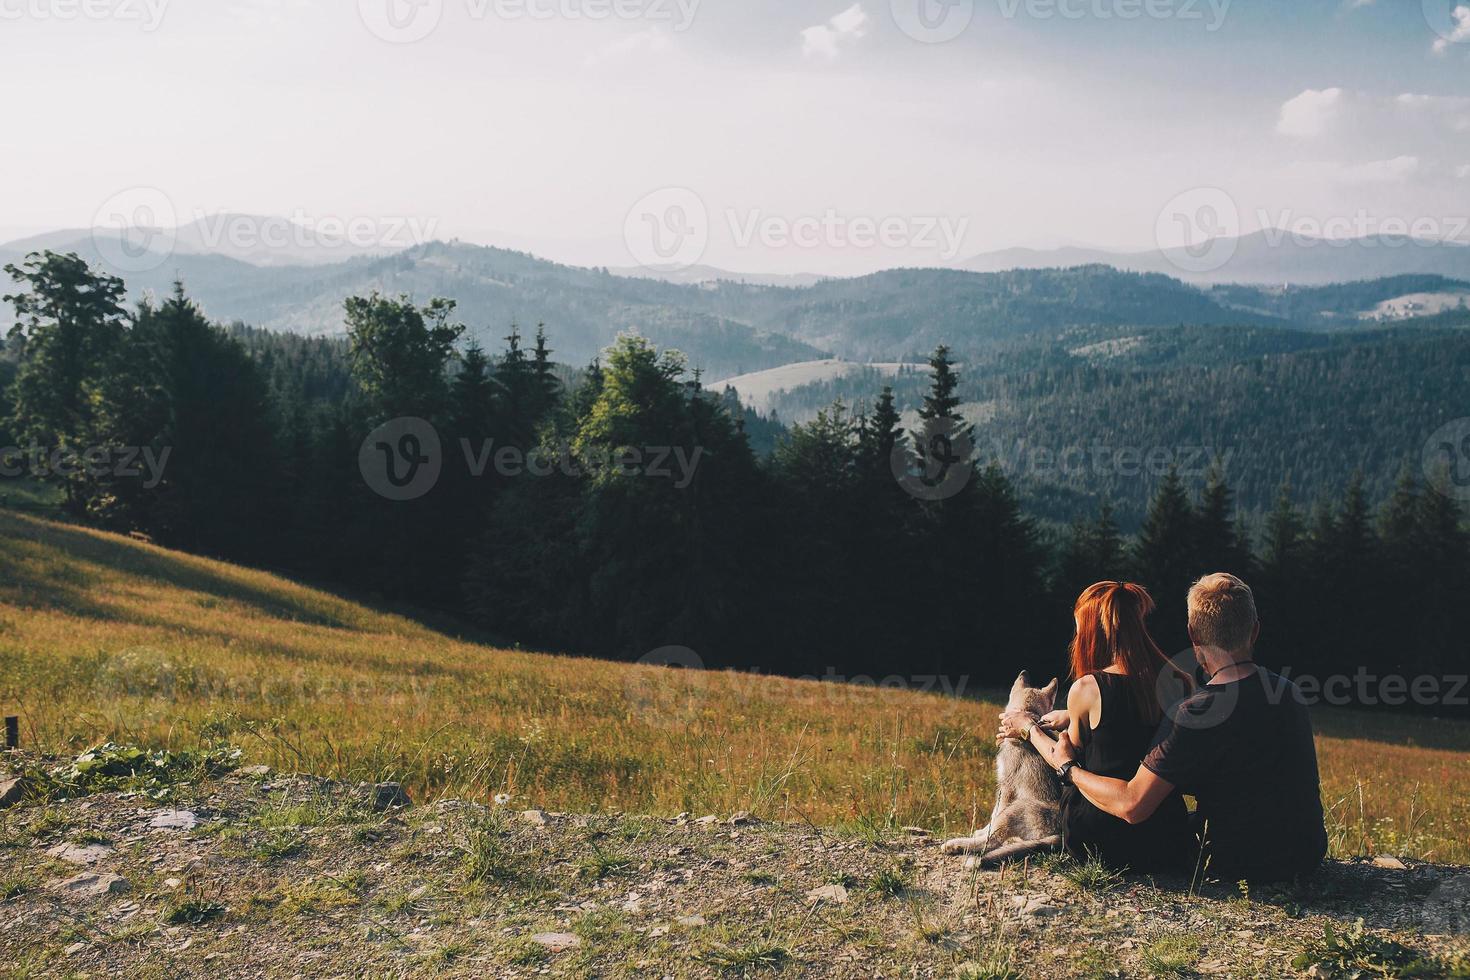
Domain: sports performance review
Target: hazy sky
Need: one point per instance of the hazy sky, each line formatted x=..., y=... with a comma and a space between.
x=781, y=135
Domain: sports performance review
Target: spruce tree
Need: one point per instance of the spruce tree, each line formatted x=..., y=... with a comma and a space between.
x=1164, y=558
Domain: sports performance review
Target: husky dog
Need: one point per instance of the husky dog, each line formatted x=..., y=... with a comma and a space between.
x=1028, y=797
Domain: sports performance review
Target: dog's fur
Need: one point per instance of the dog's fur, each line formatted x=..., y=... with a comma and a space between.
x=1028, y=796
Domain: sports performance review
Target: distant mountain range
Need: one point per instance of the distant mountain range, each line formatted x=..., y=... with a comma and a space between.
x=253, y=239
x=1272, y=256
x=731, y=324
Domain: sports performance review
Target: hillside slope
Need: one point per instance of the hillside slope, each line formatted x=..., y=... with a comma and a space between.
x=105, y=637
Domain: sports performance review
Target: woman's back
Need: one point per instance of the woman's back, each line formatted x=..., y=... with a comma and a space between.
x=1114, y=748
x=1122, y=736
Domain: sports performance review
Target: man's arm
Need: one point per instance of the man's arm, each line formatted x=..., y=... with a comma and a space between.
x=1133, y=800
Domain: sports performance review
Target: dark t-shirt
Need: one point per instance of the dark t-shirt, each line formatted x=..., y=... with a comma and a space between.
x=1245, y=751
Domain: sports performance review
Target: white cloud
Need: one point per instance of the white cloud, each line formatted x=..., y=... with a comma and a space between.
x=1460, y=32
x=824, y=41
x=1310, y=113
x=1463, y=171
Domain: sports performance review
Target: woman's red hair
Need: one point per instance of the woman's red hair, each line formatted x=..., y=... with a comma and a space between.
x=1111, y=631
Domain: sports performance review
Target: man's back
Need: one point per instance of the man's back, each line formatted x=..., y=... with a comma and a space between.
x=1245, y=751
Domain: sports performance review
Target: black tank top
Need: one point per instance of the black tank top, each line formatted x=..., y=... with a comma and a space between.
x=1122, y=736
x=1115, y=748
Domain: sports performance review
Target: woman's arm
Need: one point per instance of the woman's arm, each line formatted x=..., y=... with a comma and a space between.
x=1082, y=699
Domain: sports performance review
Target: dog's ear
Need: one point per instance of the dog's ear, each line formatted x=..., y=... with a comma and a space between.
x=1051, y=690
x=1022, y=682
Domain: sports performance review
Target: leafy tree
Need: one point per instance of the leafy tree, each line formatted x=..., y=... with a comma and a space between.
x=399, y=354
x=70, y=321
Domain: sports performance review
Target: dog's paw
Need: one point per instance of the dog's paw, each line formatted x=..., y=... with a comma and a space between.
x=958, y=845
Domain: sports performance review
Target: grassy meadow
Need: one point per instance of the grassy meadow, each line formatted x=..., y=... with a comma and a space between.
x=103, y=637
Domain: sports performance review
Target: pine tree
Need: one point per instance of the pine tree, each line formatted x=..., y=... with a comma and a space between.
x=1217, y=547
x=472, y=395
x=1164, y=558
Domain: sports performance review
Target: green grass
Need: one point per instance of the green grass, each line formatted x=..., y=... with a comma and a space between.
x=1091, y=875
x=15, y=885
x=110, y=638
x=891, y=881
x=599, y=865
x=191, y=911
x=1354, y=952
x=1171, y=956
x=747, y=959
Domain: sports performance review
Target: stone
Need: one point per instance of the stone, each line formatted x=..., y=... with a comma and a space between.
x=12, y=790
x=556, y=942
x=93, y=884
x=254, y=772
x=691, y=921
x=536, y=818
x=708, y=821
x=1034, y=906
x=386, y=796
x=80, y=853
x=171, y=883
x=174, y=820
x=831, y=894
x=74, y=949
x=1391, y=863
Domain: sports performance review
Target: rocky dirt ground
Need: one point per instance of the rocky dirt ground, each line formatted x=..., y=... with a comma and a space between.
x=253, y=873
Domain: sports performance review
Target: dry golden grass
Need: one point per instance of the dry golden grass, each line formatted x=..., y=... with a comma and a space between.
x=104, y=637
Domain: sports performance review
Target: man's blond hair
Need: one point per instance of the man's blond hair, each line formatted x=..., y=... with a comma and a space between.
x=1222, y=613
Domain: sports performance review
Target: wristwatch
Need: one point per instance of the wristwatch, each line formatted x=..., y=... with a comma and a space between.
x=1065, y=772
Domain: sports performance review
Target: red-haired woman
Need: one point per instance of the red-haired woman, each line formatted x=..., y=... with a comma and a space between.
x=1113, y=710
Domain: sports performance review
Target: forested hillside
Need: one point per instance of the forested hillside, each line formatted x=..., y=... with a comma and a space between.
x=633, y=512
x=1063, y=416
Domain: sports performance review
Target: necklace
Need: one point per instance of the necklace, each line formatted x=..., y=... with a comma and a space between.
x=1238, y=663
